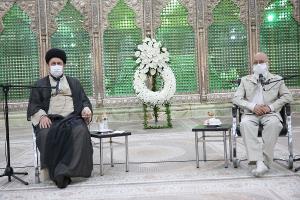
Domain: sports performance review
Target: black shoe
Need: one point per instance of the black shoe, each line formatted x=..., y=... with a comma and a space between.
x=59, y=181
x=67, y=180
x=62, y=181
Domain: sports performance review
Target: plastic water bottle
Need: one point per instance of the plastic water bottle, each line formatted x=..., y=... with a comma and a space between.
x=100, y=123
x=105, y=122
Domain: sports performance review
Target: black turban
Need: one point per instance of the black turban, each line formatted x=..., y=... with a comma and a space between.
x=56, y=53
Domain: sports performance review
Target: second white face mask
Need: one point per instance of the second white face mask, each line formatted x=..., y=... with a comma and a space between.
x=260, y=69
x=56, y=70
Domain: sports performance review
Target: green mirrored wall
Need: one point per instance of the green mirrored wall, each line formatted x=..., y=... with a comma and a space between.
x=280, y=39
x=120, y=42
x=75, y=40
x=179, y=38
x=19, y=58
x=227, y=47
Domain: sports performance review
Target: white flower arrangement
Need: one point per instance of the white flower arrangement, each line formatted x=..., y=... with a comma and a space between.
x=153, y=58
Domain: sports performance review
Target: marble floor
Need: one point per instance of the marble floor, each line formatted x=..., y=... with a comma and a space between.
x=161, y=166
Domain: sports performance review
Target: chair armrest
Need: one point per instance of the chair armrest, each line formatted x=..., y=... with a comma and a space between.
x=288, y=109
x=234, y=110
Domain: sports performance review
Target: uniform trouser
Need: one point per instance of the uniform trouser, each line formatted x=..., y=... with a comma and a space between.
x=260, y=150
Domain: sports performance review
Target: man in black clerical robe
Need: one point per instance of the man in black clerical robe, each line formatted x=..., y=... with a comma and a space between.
x=60, y=111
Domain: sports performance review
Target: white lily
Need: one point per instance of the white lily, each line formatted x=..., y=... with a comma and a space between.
x=152, y=71
x=137, y=53
x=138, y=60
x=141, y=47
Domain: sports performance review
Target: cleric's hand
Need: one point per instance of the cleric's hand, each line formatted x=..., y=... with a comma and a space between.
x=45, y=122
x=86, y=114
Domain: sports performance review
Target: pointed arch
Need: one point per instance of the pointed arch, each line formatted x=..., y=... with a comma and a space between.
x=55, y=7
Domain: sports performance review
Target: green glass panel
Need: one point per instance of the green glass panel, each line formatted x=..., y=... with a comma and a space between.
x=19, y=59
x=179, y=38
x=280, y=40
x=120, y=42
x=227, y=47
x=75, y=40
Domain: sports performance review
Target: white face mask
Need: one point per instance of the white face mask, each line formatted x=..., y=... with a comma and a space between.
x=56, y=70
x=260, y=69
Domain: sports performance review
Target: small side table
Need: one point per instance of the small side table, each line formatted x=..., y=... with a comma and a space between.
x=110, y=135
x=224, y=128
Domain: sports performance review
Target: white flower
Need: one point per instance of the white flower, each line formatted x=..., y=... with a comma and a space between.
x=141, y=47
x=151, y=51
x=137, y=53
x=152, y=59
x=152, y=71
x=138, y=60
